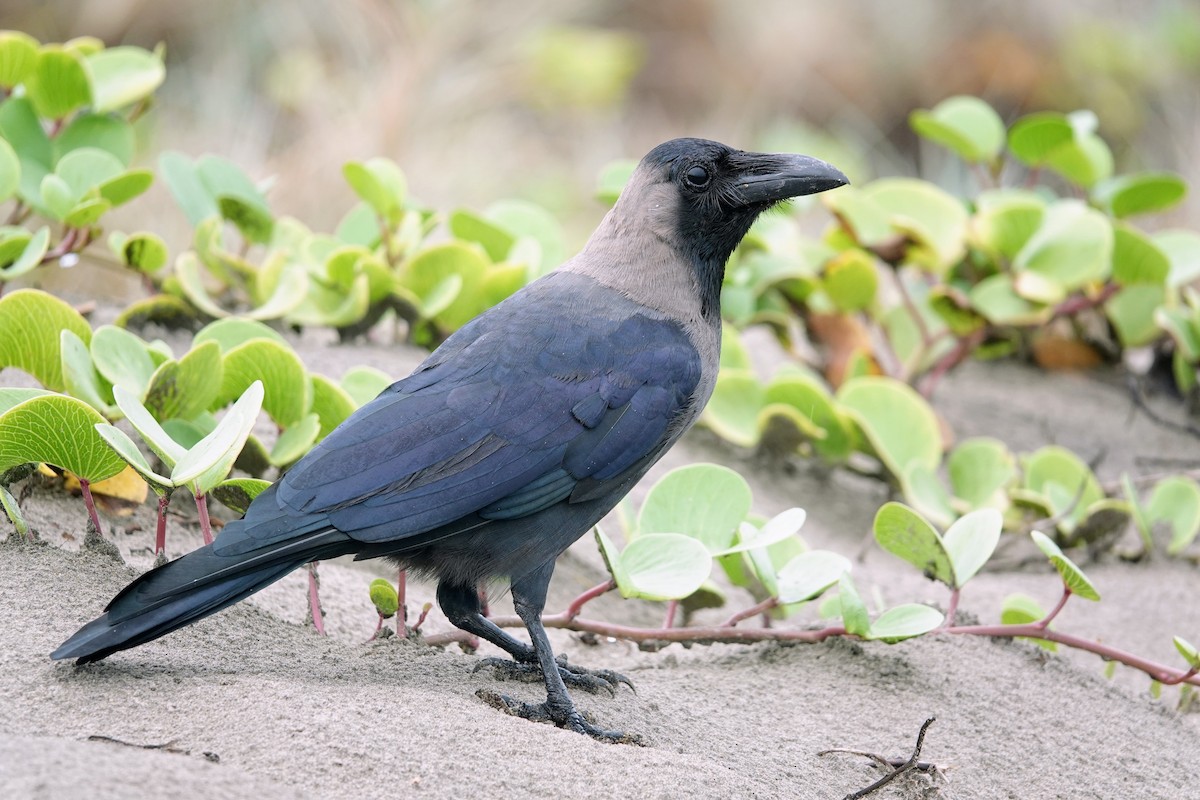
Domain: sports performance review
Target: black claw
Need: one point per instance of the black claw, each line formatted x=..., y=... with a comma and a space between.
x=593, y=681
x=566, y=717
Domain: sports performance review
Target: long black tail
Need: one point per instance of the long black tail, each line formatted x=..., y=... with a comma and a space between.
x=191, y=587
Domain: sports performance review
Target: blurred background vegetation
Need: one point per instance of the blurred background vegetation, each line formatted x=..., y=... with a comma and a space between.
x=479, y=100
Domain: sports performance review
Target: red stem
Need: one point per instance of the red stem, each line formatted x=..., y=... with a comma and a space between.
x=160, y=532
x=1045, y=621
x=85, y=487
x=591, y=594
x=1073, y=305
x=205, y=525
x=672, y=609
x=761, y=608
x=951, y=608
x=402, y=611
x=421, y=619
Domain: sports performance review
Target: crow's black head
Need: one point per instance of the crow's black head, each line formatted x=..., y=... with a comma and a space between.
x=703, y=196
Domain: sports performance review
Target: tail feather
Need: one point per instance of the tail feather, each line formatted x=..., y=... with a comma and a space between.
x=190, y=588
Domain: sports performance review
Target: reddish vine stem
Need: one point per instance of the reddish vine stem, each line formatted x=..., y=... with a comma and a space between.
x=672, y=610
x=85, y=486
x=314, y=598
x=1073, y=305
x=205, y=524
x=761, y=608
x=160, y=531
x=402, y=597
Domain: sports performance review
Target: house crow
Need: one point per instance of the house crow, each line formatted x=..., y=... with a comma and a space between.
x=517, y=435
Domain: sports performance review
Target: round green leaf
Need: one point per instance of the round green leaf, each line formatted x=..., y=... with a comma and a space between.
x=904, y=622
x=80, y=376
x=288, y=390
x=87, y=168
x=1072, y=576
x=971, y=540
x=612, y=180
x=1063, y=478
x=1188, y=651
x=380, y=183
x=58, y=82
x=126, y=186
x=980, y=469
x=934, y=221
x=1131, y=311
x=208, y=462
x=112, y=134
x=664, y=566
x=854, y=612
x=522, y=218
x=187, y=387
x=331, y=403
x=30, y=326
x=18, y=55
x=30, y=257
x=10, y=171
x=20, y=125
x=122, y=76
x=996, y=298
x=809, y=575
x=808, y=395
x=235, y=331
x=967, y=125
x=122, y=359
x=1141, y=193
x=124, y=447
x=897, y=421
x=253, y=221
x=868, y=222
x=238, y=493
x=384, y=597
x=1034, y=137
x=1005, y=220
x=86, y=213
x=1021, y=609
x=782, y=526
x=704, y=501
x=429, y=268
x=364, y=384
x=732, y=411
x=1072, y=247
x=905, y=533
x=612, y=560
x=1136, y=258
x=143, y=251
x=1086, y=160
x=851, y=281
x=1183, y=252
x=1176, y=501
x=471, y=227
x=156, y=438
x=295, y=441
x=59, y=430
x=11, y=396
x=183, y=179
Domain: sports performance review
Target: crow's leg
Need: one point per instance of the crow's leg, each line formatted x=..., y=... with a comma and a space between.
x=462, y=607
x=529, y=598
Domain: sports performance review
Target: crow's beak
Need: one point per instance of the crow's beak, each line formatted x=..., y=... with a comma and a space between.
x=769, y=178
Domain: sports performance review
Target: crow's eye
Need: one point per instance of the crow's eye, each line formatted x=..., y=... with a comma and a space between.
x=697, y=176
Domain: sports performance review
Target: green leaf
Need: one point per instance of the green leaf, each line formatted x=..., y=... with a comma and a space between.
x=55, y=197
x=157, y=439
x=126, y=186
x=122, y=359
x=663, y=566
x=1072, y=247
x=222, y=178
x=1178, y=324
x=1005, y=220
x=79, y=373
x=897, y=421
x=782, y=526
x=254, y=222
x=288, y=390
x=1136, y=258
x=145, y=252
x=384, y=598
x=704, y=501
x=1188, y=651
x=1131, y=311
x=187, y=387
x=18, y=56
x=1021, y=609
x=59, y=430
x=1140, y=193
x=207, y=464
x=854, y=612
x=1072, y=576
x=112, y=134
x=124, y=447
x=331, y=403
x=183, y=179
x=87, y=168
x=364, y=384
x=294, y=442
x=904, y=622
x=851, y=281
x=19, y=124
x=1034, y=137
x=980, y=469
x=31, y=256
x=10, y=171
x=122, y=76
x=233, y=332
x=970, y=542
x=380, y=183
x=471, y=227
x=866, y=221
x=612, y=557
x=934, y=221
x=86, y=213
x=732, y=412
x=429, y=268
x=1058, y=467
x=1176, y=501
x=11, y=396
x=188, y=271
x=967, y=125
x=1086, y=160
x=58, y=82
x=905, y=533
x=238, y=493
x=524, y=219
x=30, y=324
x=996, y=298
x=809, y=575
x=360, y=226
x=1183, y=252
x=809, y=396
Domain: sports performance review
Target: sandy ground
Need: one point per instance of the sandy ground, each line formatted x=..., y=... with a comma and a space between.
x=253, y=704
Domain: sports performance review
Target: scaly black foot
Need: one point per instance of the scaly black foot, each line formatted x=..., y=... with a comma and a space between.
x=590, y=680
x=566, y=717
